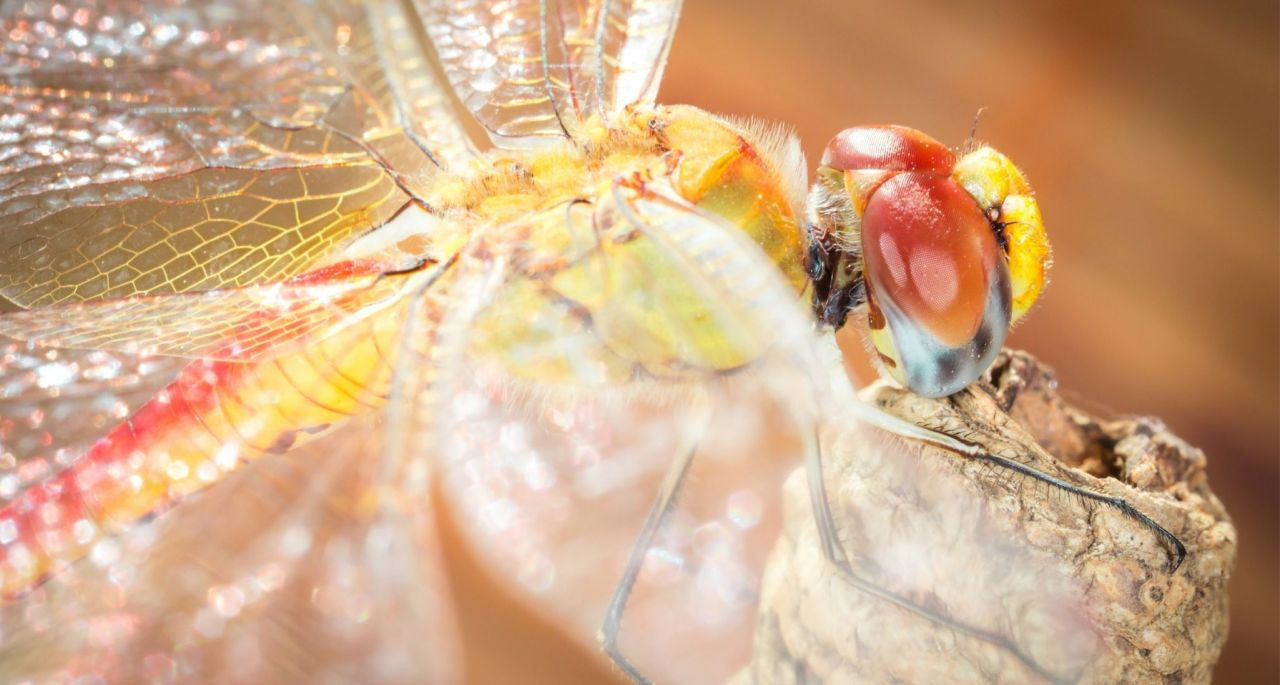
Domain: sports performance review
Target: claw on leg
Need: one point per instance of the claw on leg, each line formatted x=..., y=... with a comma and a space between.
x=658, y=513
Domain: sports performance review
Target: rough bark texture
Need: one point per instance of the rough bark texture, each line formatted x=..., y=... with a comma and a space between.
x=1046, y=586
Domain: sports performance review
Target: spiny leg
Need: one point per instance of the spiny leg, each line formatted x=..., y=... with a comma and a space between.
x=658, y=513
x=899, y=426
x=1179, y=551
x=834, y=551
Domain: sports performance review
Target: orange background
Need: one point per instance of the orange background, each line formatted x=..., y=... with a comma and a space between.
x=1150, y=132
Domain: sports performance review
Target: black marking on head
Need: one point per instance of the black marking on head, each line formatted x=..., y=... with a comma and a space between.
x=834, y=250
x=819, y=271
x=947, y=367
x=982, y=339
x=998, y=227
x=935, y=369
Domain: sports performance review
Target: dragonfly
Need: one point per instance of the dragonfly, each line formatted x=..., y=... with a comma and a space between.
x=283, y=275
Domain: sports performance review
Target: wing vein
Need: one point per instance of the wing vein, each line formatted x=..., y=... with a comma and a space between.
x=544, y=29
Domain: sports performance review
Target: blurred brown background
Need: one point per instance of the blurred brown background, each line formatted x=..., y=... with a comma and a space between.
x=1150, y=130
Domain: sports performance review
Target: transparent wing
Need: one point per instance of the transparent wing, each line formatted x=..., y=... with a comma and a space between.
x=307, y=559
x=559, y=410
x=181, y=146
x=534, y=69
x=556, y=409
x=244, y=324
x=71, y=373
x=977, y=590
x=310, y=566
x=54, y=403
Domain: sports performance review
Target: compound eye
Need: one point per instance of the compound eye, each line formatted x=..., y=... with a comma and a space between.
x=887, y=148
x=937, y=282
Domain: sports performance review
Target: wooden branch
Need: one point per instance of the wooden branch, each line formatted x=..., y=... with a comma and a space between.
x=1024, y=582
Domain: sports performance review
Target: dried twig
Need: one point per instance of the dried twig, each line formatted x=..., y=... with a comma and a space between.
x=1076, y=588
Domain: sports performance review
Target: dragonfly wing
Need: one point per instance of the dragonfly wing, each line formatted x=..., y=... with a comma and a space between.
x=307, y=567
x=312, y=560
x=184, y=146
x=243, y=324
x=392, y=107
x=633, y=39
x=531, y=70
x=558, y=407
x=652, y=331
x=54, y=403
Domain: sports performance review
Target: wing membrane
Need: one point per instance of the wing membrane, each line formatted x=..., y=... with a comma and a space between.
x=181, y=146
x=663, y=332
x=633, y=38
x=533, y=69
x=54, y=403
x=210, y=229
x=311, y=561
x=556, y=411
x=309, y=566
x=247, y=324
x=394, y=107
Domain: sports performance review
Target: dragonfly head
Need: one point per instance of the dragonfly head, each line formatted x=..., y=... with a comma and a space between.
x=945, y=252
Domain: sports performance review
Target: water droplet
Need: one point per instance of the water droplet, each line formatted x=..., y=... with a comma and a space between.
x=662, y=566
x=208, y=623
x=538, y=573
x=8, y=531
x=105, y=553
x=177, y=470
x=295, y=542
x=55, y=374
x=227, y=600
x=744, y=509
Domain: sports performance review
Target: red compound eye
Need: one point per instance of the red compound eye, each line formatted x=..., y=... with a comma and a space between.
x=887, y=148
x=930, y=248
x=937, y=283
x=935, y=270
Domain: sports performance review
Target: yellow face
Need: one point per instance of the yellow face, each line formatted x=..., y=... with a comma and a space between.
x=945, y=253
x=1006, y=198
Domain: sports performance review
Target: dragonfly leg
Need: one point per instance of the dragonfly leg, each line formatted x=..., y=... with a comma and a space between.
x=899, y=426
x=835, y=554
x=658, y=513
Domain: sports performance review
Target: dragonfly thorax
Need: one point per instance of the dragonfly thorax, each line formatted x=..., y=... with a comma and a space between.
x=750, y=175
x=554, y=212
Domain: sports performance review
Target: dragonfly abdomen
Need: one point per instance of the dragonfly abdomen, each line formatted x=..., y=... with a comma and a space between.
x=213, y=418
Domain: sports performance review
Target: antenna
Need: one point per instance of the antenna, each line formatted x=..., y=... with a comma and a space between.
x=973, y=132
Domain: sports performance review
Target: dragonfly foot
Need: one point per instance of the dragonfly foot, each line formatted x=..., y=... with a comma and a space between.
x=1177, y=551
x=609, y=643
